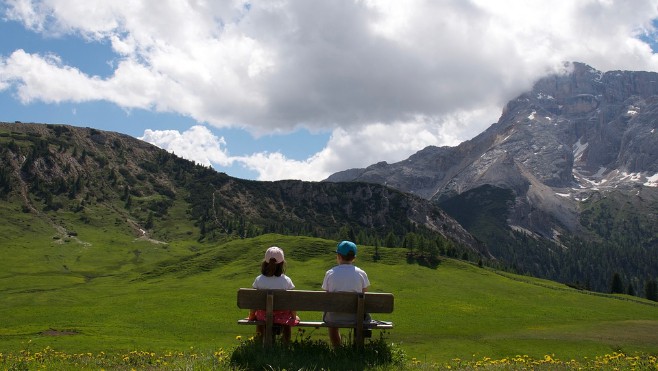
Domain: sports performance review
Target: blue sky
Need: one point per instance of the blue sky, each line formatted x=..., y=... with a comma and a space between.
x=93, y=58
x=296, y=89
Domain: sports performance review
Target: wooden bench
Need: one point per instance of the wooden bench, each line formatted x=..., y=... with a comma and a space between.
x=318, y=301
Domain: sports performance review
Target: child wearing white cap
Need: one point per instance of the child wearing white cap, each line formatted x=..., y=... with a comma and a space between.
x=345, y=277
x=273, y=277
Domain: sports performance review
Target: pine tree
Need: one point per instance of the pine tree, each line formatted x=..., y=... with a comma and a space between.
x=616, y=287
x=651, y=290
x=390, y=240
x=5, y=180
x=409, y=242
x=344, y=233
x=351, y=235
x=149, y=221
x=421, y=246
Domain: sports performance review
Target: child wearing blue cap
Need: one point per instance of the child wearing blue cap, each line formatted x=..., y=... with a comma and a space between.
x=345, y=277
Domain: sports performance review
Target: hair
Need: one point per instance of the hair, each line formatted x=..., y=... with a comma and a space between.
x=349, y=257
x=271, y=268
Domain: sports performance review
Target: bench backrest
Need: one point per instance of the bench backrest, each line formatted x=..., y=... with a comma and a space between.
x=321, y=301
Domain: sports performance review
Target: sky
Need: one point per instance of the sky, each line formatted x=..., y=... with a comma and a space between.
x=301, y=89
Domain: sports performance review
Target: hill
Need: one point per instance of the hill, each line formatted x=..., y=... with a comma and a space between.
x=571, y=167
x=163, y=303
x=88, y=186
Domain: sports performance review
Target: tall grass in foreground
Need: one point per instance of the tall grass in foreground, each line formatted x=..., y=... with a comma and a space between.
x=308, y=354
x=305, y=354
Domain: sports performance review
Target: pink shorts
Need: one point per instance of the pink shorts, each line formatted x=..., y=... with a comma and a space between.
x=281, y=317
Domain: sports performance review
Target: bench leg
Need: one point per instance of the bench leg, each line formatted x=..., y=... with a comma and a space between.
x=358, y=341
x=268, y=337
x=269, y=320
x=358, y=337
x=360, y=315
x=334, y=337
x=284, y=331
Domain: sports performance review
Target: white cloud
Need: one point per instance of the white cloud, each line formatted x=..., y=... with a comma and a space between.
x=45, y=78
x=275, y=166
x=366, y=145
x=386, y=76
x=345, y=149
x=197, y=144
x=277, y=66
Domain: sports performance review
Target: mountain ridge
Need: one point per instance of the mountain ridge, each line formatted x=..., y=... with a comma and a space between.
x=69, y=176
x=576, y=136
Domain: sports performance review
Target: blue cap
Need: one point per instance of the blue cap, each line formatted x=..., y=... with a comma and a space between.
x=345, y=247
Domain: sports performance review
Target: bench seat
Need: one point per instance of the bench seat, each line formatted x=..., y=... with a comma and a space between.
x=372, y=325
x=317, y=301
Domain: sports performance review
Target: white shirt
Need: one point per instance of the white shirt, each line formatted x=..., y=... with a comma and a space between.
x=282, y=282
x=345, y=278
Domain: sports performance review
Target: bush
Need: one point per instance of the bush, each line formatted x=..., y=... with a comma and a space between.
x=310, y=354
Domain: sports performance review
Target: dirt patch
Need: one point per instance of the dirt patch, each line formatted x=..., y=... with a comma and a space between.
x=54, y=332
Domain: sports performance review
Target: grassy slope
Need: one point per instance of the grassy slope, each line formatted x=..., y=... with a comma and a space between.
x=118, y=299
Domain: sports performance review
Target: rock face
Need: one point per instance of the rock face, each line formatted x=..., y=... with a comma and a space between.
x=574, y=133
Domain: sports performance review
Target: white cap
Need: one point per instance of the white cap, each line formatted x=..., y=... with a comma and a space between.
x=274, y=252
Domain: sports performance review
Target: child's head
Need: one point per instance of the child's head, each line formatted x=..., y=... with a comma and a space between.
x=273, y=263
x=346, y=250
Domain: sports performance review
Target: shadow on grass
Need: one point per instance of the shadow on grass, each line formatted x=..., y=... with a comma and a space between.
x=310, y=354
x=432, y=262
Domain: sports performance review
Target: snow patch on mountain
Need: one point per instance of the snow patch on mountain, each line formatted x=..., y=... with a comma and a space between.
x=542, y=96
x=632, y=177
x=652, y=181
x=578, y=149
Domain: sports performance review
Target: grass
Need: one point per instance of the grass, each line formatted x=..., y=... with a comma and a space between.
x=174, y=298
x=306, y=355
x=51, y=359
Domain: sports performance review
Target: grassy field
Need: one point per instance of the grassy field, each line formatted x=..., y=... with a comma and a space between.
x=114, y=294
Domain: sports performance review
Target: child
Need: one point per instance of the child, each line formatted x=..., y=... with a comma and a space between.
x=344, y=277
x=272, y=277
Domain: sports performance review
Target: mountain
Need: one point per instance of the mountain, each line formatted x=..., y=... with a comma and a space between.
x=571, y=165
x=75, y=182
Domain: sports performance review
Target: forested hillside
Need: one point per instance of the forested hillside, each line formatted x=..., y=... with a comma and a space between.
x=619, y=239
x=68, y=176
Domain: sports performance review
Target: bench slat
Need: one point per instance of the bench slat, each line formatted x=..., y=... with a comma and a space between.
x=302, y=300
x=316, y=324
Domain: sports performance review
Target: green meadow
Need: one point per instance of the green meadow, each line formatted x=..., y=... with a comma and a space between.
x=105, y=292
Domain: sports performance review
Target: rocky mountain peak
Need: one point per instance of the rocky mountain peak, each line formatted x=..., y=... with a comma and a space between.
x=577, y=131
